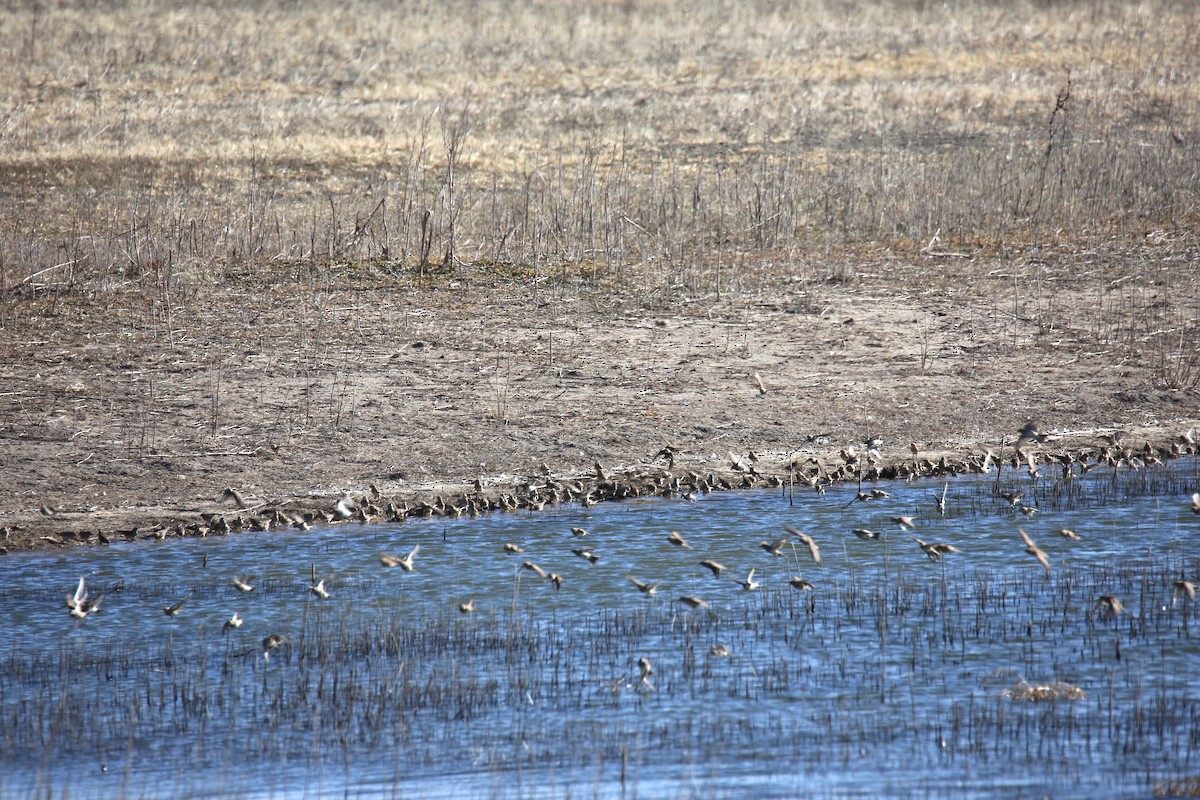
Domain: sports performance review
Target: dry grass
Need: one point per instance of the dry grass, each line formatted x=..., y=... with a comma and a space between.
x=630, y=144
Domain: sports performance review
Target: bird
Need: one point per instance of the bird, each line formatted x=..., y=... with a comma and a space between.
x=234, y=495
x=1013, y=497
x=775, y=548
x=762, y=387
x=1182, y=587
x=693, y=602
x=935, y=550
x=799, y=583
x=1030, y=433
x=406, y=563
x=556, y=579
x=174, y=609
x=1067, y=533
x=319, y=589
x=813, y=550
x=1196, y=503
x=467, y=607
x=1028, y=511
x=1109, y=606
x=905, y=522
x=270, y=644
x=584, y=553
x=941, y=502
x=77, y=601
x=865, y=534
x=676, y=538
x=646, y=669
x=513, y=549
x=580, y=532
x=719, y=650
x=233, y=622
x=714, y=566
x=535, y=569
x=879, y=494
x=1034, y=550
x=749, y=584
x=643, y=586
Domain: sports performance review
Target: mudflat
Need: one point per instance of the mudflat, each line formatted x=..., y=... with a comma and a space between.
x=284, y=254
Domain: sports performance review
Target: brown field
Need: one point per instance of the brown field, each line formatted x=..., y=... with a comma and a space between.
x=301, y=248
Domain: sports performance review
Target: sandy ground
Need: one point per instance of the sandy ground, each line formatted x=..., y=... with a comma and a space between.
x=116, y=415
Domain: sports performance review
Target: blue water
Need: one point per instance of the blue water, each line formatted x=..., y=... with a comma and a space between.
x=889, y=678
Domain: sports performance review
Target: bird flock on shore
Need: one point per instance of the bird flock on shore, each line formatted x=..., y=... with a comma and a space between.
x=82, y=604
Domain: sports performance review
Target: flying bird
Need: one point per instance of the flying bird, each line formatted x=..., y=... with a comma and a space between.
x=799, y=583
x=243, y=584
x=645, y=668
x=714, y=566
x=934, y=550
x=512, y=548
x=584, y=553
x=749, y=584
x=643, y=586
x=676, y=538
x=174, y=609
x=1034, y=550
x=693, y=602
x=1067, y=533
x=578, y=532
x=719, y=650
x=775, y=548
x=1109, y=606
x=233, y=622
x=1196, y=503
x=905, y=522
x=319, y=589
x=813, y=550
x=535, y=569
x=1185, y=588
x=865, y=534
x=270, y=644
x=467, y=607
x=406, y=563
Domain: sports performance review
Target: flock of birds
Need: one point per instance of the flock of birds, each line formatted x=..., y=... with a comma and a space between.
x=82, y=604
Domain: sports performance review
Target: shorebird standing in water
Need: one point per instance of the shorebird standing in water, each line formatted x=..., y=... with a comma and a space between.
x=813, y=550
x=1034, y=550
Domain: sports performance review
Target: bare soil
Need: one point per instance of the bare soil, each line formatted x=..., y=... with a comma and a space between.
x=116, y=416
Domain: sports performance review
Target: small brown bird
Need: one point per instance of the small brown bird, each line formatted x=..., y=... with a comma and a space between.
x=233, y=622
x=1109, y=606
x=319, y=589
x=1196, y=503
x=941, y=502
x=243, y=584
x=865, y=534
x=406, y=563
x=580, y=532
x=693, y=602
x=879, y=494
x=934, y=550
x=1034, y=550
x=1184, y=588
x=813, y=550
x=905, y=522
x=762, y=387
x=535, y=569
x=512, y=548
x=467, y=607
x=775, y=548
x=643, y=586
x=719, y=650
x=799, y=583
x=1067, y=533
x=676, y=538
x=714, y=566
x=556, y=579
x=584, y=553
